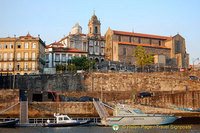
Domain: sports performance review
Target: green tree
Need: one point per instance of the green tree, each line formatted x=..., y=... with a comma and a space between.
x=80, y=63
x=60, y=67
x=144, y=57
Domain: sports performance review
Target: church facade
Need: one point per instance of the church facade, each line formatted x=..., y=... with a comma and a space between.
x=119, y=47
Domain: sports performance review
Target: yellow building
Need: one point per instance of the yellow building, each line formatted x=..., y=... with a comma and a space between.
x=26, y=53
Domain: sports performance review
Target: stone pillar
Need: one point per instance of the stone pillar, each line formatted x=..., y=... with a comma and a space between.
x=24, y=112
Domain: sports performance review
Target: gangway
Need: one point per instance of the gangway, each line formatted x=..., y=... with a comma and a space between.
x=100, y=108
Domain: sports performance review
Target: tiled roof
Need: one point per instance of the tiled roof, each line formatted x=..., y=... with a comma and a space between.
x=145, y=45
x=142, y=35
x=62, y=49
x=27, y=36
x=55, y=43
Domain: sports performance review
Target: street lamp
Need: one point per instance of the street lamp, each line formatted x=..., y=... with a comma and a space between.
x=194, y=61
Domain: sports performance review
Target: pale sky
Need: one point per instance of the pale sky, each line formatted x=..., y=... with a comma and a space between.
x=53, y=19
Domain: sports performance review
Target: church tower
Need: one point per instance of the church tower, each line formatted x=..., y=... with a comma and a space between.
x=94, y=27
x=95, y=41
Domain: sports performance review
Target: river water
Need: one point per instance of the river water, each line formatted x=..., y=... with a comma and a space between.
x=97, y=129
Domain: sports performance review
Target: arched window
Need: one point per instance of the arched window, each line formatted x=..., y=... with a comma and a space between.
x=96, y=30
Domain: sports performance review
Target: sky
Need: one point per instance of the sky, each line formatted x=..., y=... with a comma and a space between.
x=53, y=19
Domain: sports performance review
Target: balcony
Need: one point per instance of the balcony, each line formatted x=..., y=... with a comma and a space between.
x=6, y=70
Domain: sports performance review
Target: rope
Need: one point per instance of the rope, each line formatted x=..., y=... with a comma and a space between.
x=8, y=108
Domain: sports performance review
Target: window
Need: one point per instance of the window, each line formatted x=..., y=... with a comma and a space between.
x=130, y=39
x=10, y=56
x=33, y=66
x=33, y=45
x=5, y=56
x=57, y=57
x=139, y=41
x=26, y=45
x=11, y=45
x=119, y=38
x=18, y=66
x=46, y=57
x=63, y=57
x=71, y=44
x=96, y=30
x=0, y=66
x=0, y=56
x=18, y=56
x=25, y=66
x=65, y=118
x=91, y=50
x=10, y=66
x=0, y=46
x=33, y=56
x=102, y=45
x=18, y=45
x=124, y=51
x=5, y=46
x=25, y=56
x=102, y=51
x=84, y=46
x=4, y=66
x=159, y=43
x=60, y=119
x=90, y=30
x=150, y=41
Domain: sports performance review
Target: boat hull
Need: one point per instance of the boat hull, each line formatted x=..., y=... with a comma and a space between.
x=11, y=123
x=138, y=120
x=66, y=124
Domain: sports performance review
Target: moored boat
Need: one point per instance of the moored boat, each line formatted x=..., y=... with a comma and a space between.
x=130, y=116
x=65, y=121
x=9, y=123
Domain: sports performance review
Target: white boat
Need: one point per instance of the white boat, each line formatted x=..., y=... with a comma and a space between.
x=130, y=116
x=65, y=121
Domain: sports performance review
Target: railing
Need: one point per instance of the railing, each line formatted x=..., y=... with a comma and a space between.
x=18, y=59
x=53, y=120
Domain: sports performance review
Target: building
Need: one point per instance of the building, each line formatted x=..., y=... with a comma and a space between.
x=26, y=53
x=119, y=46
x=58, y=53
x=75, y=39
x=95, y=40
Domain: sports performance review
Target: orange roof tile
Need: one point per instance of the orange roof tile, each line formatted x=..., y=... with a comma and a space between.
x=142, y=35
x=145, y=45
x=62, y=49
x=27, y=36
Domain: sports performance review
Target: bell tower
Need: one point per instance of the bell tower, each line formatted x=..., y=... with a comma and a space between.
x=94, y=27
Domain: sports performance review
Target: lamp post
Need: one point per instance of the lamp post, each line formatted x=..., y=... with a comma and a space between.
x=14, y=62
x=194, y=61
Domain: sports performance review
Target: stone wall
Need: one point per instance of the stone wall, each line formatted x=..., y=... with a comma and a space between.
x=57, y=82
x=156, y=81
x=128, y=58
x=188, y=99
x=8, y=98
